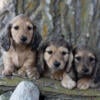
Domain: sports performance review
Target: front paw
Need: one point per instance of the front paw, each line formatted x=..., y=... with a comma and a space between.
x=33, y=74
x=7, y=72
x=21, y=73
x=83, y=84
x=67, y=82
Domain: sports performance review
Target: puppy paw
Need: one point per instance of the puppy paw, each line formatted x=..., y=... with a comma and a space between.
x=83, y=84
x=33, y=74
x=67, y=82
x=7, y=72
x=21, y=73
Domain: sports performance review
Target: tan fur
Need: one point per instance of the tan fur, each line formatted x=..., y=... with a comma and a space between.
x=56, y=56
x=85, y=65
x=23, y=25
x=54, y=59
x=83, y=55
x=20, y=55
x=84, y=83
x=67, y=81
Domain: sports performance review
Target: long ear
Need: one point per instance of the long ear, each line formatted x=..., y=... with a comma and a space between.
x=36, y=39
x=71, y=59
x=41, y=62
x=69, y=65
x=96, y=72
x=97, y=65
x=5, y=39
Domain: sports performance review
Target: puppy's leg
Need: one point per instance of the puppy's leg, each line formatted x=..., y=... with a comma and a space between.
x=57, y=75
x=8, y=66
x=22, y=72
x=32, y=72
x=67, y=82
x=84, y=83
x=30, y=69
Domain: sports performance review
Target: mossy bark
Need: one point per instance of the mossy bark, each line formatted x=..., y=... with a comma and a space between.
x=50, y=88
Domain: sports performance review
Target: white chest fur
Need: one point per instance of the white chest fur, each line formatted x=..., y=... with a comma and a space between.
x=15, y=59
x=19, y=57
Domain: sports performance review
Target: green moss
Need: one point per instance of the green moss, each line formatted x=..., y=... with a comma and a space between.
x=11, y=81
x=51, y=86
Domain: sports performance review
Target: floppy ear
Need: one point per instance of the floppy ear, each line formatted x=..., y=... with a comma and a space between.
x=70, y=61
x=41, y=63
x=97, y=65
x=36, y=39
x=96, y=73
x=5, y=38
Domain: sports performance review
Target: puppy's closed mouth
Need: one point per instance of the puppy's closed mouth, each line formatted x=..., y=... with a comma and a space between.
x=84, y=74
x=23, y=43
x=53, y=69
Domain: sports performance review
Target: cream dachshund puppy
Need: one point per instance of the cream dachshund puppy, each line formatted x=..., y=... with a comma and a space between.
x=20, y=45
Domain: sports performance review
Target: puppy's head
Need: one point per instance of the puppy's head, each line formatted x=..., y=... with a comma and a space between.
x=84, y=60
x=56, y=57
x=22, y=31
x=55, y=53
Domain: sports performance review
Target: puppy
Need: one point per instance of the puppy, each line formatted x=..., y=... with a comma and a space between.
x=20, y=45
x=85, y=66
x=54, y=54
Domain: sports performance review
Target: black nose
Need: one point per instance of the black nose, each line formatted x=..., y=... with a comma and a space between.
x=85, y=70
x=23, y=38
x=56, y=64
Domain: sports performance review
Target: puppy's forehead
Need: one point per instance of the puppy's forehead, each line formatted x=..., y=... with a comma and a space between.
x=21, y=19
x=85, y=53
x=63, y=49
x=53, y=47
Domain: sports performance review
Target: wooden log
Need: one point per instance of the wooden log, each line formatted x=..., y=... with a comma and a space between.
x=50, y=89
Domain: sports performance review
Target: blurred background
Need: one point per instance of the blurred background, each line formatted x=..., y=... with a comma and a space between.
x=78, y=20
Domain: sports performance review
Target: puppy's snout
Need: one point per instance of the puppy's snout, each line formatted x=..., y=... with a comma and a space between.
x=56, y=64
x=23, y=38
x=85, y=70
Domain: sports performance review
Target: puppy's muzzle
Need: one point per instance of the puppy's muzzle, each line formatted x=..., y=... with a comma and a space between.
x=85, y=70
x=57, y=64
x=23, y=39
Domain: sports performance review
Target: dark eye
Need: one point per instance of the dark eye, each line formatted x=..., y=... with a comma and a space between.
x=64, y=53
x=29, y=27
x=49, y=52
x=91, y=59
x=16, y=27
x=78, y=58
